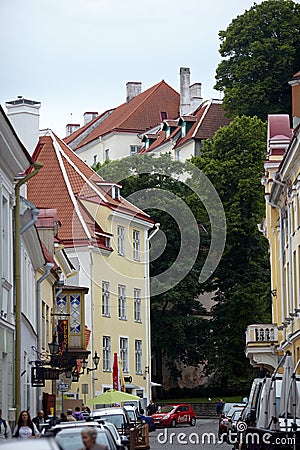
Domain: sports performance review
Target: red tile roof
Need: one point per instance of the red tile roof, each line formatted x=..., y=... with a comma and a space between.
x=208, y=118
x=64, y=178
x=139, y=114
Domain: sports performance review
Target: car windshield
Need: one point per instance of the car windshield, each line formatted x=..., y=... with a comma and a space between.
x=167, y=408
x=131, y=414
x=72, y=439
x=116, y=419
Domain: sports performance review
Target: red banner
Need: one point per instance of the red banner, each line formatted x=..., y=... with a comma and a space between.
x=115, y=373
x=62, y=333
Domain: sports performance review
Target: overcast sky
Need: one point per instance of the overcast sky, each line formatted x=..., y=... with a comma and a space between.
x=77, y=55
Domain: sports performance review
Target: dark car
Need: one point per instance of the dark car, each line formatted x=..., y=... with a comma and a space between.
x=225, y=421
x=172, y=415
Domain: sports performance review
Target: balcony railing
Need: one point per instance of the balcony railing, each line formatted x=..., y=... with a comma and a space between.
x=261, y=333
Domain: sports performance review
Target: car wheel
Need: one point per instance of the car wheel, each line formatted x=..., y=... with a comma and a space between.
x=193, y=421
x=173, y=423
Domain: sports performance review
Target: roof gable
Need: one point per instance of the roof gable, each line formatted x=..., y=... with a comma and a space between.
x=64, y=178
x=140, y=113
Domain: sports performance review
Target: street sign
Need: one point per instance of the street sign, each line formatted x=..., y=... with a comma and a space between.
x=63, y=387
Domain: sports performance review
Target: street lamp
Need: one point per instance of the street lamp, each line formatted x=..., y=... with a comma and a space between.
x=96, y=360
x=53, y=346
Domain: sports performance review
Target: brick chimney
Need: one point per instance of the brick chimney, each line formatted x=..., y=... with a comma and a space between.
x=24, y=116
x=295, y=83
x=133, y=88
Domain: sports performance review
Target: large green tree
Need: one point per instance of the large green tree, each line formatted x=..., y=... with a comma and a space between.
x=178, y=330
x=233, y=161
x=261, y=53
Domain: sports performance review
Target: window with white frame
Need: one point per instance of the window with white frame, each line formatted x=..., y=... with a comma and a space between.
x=107, y=154
x=124, y=354
x=134, y=149
x=136, y=245
x=105, y=298
x=121, y=240
x=138, y=356
x=115, y=192
x=137, y=305
x=106, y=354
x=122, y=301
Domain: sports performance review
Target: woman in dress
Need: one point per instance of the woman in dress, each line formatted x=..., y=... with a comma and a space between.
x=25, y=428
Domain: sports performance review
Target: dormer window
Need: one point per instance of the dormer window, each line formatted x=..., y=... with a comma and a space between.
x=107, y=242
x=186, y=123
x=163, y=115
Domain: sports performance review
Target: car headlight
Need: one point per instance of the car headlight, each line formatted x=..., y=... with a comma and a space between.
x=167, y=416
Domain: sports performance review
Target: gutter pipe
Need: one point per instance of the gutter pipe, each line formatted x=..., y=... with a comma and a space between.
x=37, y=166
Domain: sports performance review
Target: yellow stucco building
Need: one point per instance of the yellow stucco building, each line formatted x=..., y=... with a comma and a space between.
x=281, y=226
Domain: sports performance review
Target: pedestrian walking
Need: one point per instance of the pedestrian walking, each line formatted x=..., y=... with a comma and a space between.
x=89, y=436
x=70, y=417
x=77, y=414
x=5, y=431
x=39, y=420
x=151, y=408
x=219, y=406
x=25, y=428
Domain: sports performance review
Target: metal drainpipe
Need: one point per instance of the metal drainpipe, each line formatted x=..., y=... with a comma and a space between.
x=147, y=297
x=48, y=267
x=37, y=166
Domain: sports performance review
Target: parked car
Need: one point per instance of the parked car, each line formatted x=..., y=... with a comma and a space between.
x=225, y=421
x=117, y=415
x=31, y=444
x=234, y=420
x=172, y=415
x=71, y=439
x=52, y=431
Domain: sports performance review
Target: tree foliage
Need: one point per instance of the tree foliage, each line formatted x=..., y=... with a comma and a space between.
x=233, y=161
x=178, y=329
x=261, y=53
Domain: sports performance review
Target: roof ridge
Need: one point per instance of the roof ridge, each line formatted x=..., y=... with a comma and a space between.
x=58, y=149
x=151, y=90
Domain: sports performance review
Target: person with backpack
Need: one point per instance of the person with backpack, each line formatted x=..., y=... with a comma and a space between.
x=77, y=414
x=25, y=428
x=5, y=431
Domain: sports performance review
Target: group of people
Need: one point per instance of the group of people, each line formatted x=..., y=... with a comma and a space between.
x=31, y=428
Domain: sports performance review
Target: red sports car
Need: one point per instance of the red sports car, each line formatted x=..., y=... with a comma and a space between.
x=171, y=415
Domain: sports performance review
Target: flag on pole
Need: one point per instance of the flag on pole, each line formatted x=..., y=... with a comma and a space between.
x=115, y=373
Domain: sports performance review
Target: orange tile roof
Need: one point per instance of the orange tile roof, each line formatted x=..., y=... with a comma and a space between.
x=139, y=114
x=64, y=178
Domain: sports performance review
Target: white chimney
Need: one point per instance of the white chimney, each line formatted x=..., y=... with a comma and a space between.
x=133, y=88
x=196, y=99
x=24, y=116
x=185, y=96
x=71, y=127
x=88, y=116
